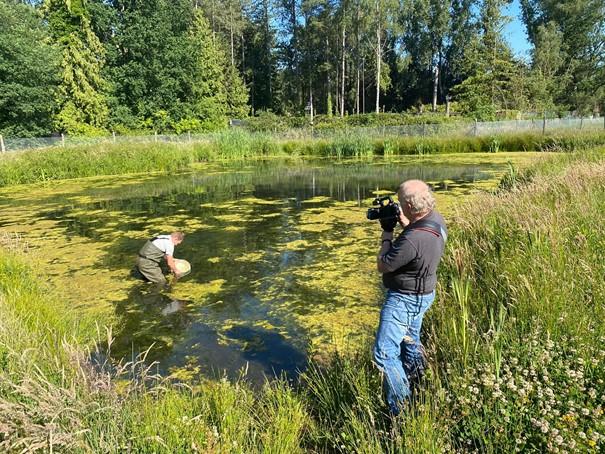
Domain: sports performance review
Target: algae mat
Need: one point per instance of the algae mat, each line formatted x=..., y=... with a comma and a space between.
x=283, y=259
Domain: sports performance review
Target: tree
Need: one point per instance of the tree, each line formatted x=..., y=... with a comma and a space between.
x=260, y=68
x=81, y=95
x=29, y=72
x=152, y=67
x=386, y=13
x=581, y=24
x=495, y=81
x=207, y=80
x=289, y=49
x=217, y=90
x=549, y=77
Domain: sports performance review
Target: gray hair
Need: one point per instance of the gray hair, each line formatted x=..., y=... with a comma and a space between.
x=418, y=195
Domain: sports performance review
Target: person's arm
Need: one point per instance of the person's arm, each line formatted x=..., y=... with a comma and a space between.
x=399, y=253
x=171, y=264
x=390, y=258
x=386, y=242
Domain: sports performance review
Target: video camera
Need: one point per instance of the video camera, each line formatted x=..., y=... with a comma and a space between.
x=387, y=209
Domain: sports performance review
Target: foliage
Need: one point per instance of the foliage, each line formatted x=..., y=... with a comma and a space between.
x=82, y=105
x=28, y=72
x=133, y=65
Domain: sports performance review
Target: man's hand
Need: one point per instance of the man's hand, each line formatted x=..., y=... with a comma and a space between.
x=171, y=264
x=402, y=219
x=388, y=225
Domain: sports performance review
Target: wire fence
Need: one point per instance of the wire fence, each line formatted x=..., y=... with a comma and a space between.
x=541, y=126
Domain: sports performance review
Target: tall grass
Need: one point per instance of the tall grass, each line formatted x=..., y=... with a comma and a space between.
x=114, y=159
x=515, y=346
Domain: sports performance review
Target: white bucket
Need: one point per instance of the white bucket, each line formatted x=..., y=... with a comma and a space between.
x=183, y=267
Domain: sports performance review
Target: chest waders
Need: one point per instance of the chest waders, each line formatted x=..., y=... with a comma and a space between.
x=148, y=262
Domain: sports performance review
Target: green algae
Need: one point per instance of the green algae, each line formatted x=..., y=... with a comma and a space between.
x=297, y=260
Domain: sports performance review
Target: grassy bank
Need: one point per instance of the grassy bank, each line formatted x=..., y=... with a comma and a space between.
x=116, y=159
x=515, y=345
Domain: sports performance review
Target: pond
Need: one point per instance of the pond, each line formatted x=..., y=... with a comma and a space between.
x=283, y=259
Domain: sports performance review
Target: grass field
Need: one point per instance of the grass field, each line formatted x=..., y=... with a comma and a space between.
x=515, y=343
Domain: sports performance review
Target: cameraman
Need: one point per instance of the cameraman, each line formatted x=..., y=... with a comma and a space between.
x=409, y=272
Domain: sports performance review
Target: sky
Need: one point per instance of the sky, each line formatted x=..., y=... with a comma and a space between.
x=515, y=32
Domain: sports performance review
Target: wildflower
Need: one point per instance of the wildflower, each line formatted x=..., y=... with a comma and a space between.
x=582, y=435
x=559, y=440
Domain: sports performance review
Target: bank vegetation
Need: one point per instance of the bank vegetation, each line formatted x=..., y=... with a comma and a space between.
x=117, y=159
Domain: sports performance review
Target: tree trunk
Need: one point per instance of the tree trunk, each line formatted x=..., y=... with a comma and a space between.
x=357, y=64
x=311, y=102
x=342, y=86
x=435, y=87
x=337, y=90
x=363, y=86
x=357, y=86
x=378, y=61
x=268, y=48
x=231, y=35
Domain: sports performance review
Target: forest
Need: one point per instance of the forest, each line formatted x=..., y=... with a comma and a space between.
x=92, y=67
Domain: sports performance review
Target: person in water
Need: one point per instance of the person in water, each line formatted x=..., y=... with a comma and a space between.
x=152, y=253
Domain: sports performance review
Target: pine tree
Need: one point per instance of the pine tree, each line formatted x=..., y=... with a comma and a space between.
x=81, y=96
x=549, y=77
x=209, y=96
x=236, y=93
x=495, y=81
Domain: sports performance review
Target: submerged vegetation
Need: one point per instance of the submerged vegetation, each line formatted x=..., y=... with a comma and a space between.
x=115, y=159
x=515, y=344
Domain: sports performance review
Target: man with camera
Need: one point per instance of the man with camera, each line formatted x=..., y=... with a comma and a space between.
x=408, y=265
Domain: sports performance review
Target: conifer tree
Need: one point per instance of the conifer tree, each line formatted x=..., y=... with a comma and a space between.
x=209, y=97
x=81, y=96
x=495, y=81
x=236, y=93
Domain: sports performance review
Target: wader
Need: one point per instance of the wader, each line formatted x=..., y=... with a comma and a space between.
x=148, y=262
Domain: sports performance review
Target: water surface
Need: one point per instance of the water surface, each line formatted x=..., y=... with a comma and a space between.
x=283, y=259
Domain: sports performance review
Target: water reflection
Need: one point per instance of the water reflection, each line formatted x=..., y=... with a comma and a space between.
x=282, y=257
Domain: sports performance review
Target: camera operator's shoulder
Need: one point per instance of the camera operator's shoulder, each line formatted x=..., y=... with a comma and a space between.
x=438, y=218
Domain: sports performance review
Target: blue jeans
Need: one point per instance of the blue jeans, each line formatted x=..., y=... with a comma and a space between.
x=398, y=351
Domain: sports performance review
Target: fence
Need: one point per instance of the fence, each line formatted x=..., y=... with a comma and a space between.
x=476, y=128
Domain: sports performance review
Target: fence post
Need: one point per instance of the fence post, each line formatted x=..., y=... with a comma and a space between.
x=155, y=136
x=62, y=140
x=113, y=135
x=189, y=135
x=581, y=123
x=544, y=124
x=475, y=128
x=2, y=147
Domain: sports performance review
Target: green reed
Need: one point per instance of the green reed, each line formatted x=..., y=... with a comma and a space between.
x=115, y=159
